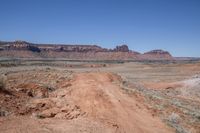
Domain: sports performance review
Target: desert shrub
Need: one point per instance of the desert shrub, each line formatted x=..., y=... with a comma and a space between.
x=48, y=68
x=2, y=83
x=174, y=121
x=49, y=88
x=174, y=118
x=3, y=112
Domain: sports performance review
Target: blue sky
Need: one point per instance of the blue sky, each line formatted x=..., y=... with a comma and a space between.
x=143, y=25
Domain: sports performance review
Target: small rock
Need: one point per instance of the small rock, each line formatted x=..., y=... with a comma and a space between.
x=49, y=113
x=61, y=115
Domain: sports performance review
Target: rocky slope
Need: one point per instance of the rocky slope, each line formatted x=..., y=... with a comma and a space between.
x=24, y=49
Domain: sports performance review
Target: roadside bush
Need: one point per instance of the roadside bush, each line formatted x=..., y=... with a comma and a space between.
x=2, y=83
x=174, y=118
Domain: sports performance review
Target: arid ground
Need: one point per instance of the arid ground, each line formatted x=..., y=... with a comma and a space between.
x=98, y=97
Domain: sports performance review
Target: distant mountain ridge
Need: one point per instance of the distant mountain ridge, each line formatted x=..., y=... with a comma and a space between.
x=23, y=49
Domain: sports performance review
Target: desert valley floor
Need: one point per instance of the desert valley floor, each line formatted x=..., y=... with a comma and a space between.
x=99, y=97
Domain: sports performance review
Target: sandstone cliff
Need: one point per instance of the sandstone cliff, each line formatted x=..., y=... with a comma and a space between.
x=23, y=49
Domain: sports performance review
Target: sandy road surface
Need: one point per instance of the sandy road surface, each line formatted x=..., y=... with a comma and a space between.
x=99, y=95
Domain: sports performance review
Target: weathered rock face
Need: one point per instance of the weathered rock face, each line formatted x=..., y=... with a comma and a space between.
x=122, y=48
x=70, y=48
x=79, y=52
x=157, y=54
x=22, y=45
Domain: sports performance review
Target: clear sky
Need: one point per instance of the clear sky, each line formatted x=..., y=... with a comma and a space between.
x=143, y=25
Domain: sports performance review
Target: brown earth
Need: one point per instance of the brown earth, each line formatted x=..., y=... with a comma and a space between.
x=87, y=102
x=62, y=96
x=104, y=101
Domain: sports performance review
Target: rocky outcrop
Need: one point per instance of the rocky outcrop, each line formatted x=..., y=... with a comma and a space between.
x=157, y=54
x=122, y=48
x=25, y=49
x=22, y=45
x=70, y=48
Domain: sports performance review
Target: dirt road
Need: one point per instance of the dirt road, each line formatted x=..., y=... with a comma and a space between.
x=100, y=96
x=99, y=105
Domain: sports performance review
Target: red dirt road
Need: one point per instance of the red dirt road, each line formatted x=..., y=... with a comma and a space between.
x=100, y=96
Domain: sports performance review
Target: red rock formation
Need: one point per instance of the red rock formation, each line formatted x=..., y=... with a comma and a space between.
x=22, y=45
x=122, y=48
x=157, y=54
x=78, y=52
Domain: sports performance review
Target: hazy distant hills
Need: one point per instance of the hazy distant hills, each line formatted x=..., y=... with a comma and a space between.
x=23, y=49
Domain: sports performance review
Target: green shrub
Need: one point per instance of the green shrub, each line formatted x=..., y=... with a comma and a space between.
x=2, y=83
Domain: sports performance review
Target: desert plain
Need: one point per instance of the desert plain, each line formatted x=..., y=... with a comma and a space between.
x=63, y=96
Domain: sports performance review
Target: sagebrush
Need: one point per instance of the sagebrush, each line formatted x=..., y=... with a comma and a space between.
x=2, y=83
